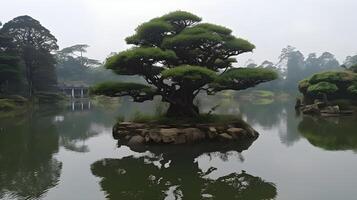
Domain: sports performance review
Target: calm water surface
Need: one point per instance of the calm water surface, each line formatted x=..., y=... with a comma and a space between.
x=70, y=154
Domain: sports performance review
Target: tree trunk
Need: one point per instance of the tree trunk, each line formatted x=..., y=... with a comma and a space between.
x=28, y=57
x=183, y=105
x=176, y=110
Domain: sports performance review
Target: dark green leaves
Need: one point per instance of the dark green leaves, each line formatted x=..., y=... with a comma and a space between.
x=242, y=78
x=203, y=44
x=193, y=37
x=153, y=32
x=337, y=77
x=150, y=33
x=118, y=88
x=177, y=53
x=246, y=74
x=214, y=28
x=37, y=36
x=335, y=84
x=180, y=19
x=239, y=45
x=303, y=85
x=352, y=89
x=141, y=61
x=189, y=73
x=322, y=88
x=139, y=92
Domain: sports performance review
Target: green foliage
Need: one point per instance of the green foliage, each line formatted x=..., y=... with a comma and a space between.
x=337, y=84
x=322, y=88
x=180, y=57
x=150, y=33
x=303, y=85
x=334, y=77
x=118, y=88
x=139, y=61
x=239, y=44
x=242, y=78
x=37, y=36
x=215, y=28
x=247, y=74
x=191, y=37
x=189, y=73
x=44, y=78
x=177, y=17
x=352, y=89
x=10, y=71
x=35, y=44
x=180, y=19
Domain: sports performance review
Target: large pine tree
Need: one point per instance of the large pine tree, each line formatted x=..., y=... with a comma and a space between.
x=179, y=57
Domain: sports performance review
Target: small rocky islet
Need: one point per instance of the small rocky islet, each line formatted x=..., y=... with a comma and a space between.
x=331, y=93
x=134, y=134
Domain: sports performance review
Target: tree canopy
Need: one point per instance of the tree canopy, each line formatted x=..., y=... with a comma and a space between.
x=28, y=32
x=179, y=56
x=333, y=84
x=34, y=44
x=10, y=71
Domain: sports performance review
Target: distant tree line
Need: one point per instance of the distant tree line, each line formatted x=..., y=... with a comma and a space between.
x=293, y=67
x=73, y=68
x=31, y=64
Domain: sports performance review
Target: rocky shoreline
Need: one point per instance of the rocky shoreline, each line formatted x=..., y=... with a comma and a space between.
x=322, y=109
x=134, y=134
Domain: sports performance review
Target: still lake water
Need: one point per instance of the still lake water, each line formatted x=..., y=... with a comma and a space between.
x=70, y=154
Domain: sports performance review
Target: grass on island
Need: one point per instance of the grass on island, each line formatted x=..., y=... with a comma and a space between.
x=200, y=119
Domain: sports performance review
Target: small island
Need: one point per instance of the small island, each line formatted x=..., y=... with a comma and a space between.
x=180, y=57
x=330, y=93
x=212, y=129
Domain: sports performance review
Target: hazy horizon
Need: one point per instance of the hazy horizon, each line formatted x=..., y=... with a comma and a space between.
x=309, y=25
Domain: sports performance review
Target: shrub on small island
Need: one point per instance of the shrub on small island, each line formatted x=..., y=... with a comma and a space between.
x=329, y=93
x=322, y=88
x=333, y=84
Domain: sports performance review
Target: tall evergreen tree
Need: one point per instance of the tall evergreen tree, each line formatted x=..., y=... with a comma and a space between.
x=179, y=56
x=10, y=72
x=35, y=44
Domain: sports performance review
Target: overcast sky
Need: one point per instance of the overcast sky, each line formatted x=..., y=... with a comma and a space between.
x=309, y=25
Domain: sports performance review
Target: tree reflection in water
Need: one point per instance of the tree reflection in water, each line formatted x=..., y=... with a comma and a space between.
x=172, y=172
x=27, y=167
x=279, y=115
x=330, y=133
